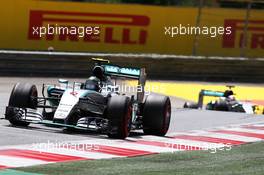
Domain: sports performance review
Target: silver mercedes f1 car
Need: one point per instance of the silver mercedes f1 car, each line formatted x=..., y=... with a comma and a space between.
x=93, y=105
x=226, y=102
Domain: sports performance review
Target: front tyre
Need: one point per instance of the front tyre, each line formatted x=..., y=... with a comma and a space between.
x=156, y=115
x=119, y=111
x=23, y=95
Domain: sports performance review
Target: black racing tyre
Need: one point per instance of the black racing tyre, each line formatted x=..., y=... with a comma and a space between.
x=119, y=111
x=221, y=105
x=156, y=115
x=23, y=95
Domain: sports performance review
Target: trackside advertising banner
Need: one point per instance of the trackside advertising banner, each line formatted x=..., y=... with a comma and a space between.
x=90, y=27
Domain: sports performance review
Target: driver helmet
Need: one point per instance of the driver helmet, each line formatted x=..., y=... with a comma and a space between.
x=93, y=83
x=227, y=93
x=98, y=72
x=231, y=97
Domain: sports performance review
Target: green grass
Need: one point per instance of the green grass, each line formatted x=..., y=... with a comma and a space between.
x=245, y=159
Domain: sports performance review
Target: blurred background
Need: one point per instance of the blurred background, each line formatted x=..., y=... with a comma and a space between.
x=138, y=27
x=145, y=36
x=258, y=4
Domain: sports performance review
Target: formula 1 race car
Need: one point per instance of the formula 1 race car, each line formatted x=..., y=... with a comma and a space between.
x=93, y=105
x=226, y=102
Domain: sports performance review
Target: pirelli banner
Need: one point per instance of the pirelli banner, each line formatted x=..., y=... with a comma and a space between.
x=90, y=27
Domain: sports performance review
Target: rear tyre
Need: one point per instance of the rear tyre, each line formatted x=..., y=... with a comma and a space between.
x=156, y=115
x=119, y=111
x=23, y=95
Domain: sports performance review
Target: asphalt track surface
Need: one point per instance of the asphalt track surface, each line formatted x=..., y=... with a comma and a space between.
x=182, y=120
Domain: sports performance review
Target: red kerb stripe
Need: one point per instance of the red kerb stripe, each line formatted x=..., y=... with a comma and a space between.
x=246, y=134
x=168, y=145
x=49, y=157
x=113, y=150
x=209, y=139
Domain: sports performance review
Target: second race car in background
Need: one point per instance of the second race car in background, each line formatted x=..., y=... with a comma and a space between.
x=225, y=102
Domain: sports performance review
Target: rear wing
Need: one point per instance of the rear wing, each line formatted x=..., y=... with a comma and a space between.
x=128, y=72
x=209, y=93
x=118, y=71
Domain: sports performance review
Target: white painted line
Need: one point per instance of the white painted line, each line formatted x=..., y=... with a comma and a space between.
x=259, y=125
x=255, y=131
x=83, y=154
x=178, y=142
x=10, y=161
x=135, y=146
x=227, y=136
